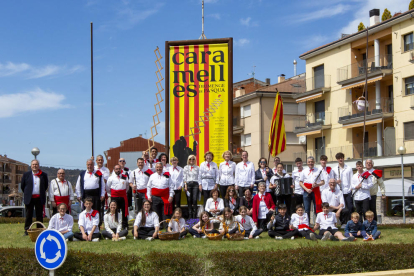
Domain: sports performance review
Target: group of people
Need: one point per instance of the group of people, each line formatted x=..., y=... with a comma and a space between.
x=259, y=200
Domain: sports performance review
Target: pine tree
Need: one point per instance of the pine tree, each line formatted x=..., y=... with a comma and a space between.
x=361, y=26
x=411, y=6
x=386, y=15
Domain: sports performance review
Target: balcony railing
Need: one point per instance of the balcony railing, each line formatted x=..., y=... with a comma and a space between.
x=236, y=121
x=360, y=68
x=6, y=169
x=312, y=120
x=313, y=83
x=20, y=172
x=386, y=105
x=412, y=101
x=7, y=181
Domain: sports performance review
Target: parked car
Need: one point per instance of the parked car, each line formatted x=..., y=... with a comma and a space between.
x=15, y=212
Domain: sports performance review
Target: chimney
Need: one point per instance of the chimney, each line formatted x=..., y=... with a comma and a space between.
x=140, y=135
x=5, y=155
x=281, y=78
x=294, y=67
x=268, y=81
x=240, y=92
x=374, y=17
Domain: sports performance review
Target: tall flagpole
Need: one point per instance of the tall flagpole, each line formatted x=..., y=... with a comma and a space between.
x=92, y=85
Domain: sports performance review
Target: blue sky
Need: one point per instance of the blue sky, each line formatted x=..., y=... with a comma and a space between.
x=45, y=61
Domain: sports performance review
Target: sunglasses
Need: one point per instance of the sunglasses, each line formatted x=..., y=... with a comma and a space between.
x=123, y=161
x=192, y=159
x=263, y=162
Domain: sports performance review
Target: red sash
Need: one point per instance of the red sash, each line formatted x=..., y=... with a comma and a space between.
x=318, y=199
x=164, y=194
x=304, y=226
x=142, y=191
x=35, y=196
x=121, y=193
x=62, y=199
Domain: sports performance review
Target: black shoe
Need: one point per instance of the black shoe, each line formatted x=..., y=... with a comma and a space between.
x=333, y=238
x=25, y=233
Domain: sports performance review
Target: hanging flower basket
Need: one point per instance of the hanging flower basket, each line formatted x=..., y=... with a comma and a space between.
x=360, y=103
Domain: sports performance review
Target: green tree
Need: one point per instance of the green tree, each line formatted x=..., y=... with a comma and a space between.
x=411, y=6
x=361, y=26
x=386, y=15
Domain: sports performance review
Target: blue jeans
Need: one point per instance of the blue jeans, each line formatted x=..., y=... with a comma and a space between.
x=307, y=198
x=68, y=235
x=377, y=234
x=363, y=235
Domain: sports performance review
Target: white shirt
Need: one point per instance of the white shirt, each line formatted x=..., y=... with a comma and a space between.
x=208, y=176
x=151, y=166
x=159, y=182
x=245, y=174
x=115, y=182
x=247, y=223
x=166, y=168
x=91, y=182
x=326, y=177
x=152, y=220
x=263, y=172
x=104, y=170
x=333, y=198
x=296, y=220
x=214, y=205
x=226, y=173
x=275, y=170
x=296, y=176
x=36, y=185
x=177, y=177
x=59, y=223
x=263, y=210
x=139, y=178
x=309, y=176
x=364, y=192
x=345, y=175
x=326, y=220
x=190, y=173
x=65, y=189
x=111, y=223
x=174, y=225
x=88, y=223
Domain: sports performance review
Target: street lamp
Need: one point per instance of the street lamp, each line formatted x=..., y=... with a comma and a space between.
x=401, y=151
x=35, y=152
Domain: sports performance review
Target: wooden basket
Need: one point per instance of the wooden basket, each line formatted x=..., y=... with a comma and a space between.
x=215, y=236
x=236, y=236
x=169, y=236
x=34, y=233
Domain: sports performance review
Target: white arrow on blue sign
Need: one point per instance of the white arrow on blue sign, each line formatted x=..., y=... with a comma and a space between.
x=51, y=249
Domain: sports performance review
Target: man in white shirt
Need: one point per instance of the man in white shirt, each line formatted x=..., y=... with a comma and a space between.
x=326, y=174
x=361, y=184
x=369, y=165
x=245, y=174
x=138, y=182
x=310, y=180
x=118, y=185
x=298, y=190
x=336, y=202
x=60, y=191
x=125, y=171
x=343, y=175
x=105, y=172
x=276, y=161
x=152, y=161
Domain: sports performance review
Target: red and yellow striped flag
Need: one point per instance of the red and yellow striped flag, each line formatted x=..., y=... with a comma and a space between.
x=277, y=134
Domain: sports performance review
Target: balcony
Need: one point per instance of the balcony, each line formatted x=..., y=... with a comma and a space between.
x=356, y=71
x=412, y=101
x=7, y=181
x=238, y=128
x=20, y=172
x=314, y=87
x=354, y=117
x=236, y=150
x=7, y=169
x=312, y=123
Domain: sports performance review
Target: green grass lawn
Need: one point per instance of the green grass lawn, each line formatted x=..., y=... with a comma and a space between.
x=12, y=236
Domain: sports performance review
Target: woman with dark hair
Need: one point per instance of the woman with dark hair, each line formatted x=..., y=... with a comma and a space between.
x=263, y=173
x=247, y=201
x=164, y=160
x=214, y=205
x=231, y=200
x=113, y=223
x=146, y=224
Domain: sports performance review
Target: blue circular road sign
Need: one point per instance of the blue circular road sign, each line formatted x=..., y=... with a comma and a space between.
x=51, y=249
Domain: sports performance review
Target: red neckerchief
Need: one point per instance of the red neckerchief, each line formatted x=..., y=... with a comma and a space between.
x=207, y=224
x=299, y=170
x=216, y=204
x=146, y=214
x=261, y=197
x=61, y=218
x=191, y=168
x=243, y=221
x=326, y=216
x=233, y=201
x=38, y=173
x=208, y=165
x=333, y=191
x=245, y=164
x=310, y=171
x=264, y=171
x=112, y=215
x=227, y=163
x=176, y=169
x=90, y=173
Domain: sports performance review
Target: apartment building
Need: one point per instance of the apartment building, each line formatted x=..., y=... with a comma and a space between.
x=252, y=116
x=11, y=172
x=333, y=122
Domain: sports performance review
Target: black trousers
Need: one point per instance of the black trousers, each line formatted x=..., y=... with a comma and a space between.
x=121, y=205
x=296, y=200
x=177, y=199
x=223, y=190
x=144, y=232
x=286, y=199
x=306, y=234
x=349, y=205
x=285, y=234
x=242, y=189
x=373, y=206
x=262, y=223
x=129, y=197
x=158, y=207
x=206, y=195
x=192, y=188
x=38, y=206
x=108, y=235
x=256, y=233
x=139, y=201
x=78, y=235
x=343, y=216
x=97, y=203
x=330, y=230
x=362, y=206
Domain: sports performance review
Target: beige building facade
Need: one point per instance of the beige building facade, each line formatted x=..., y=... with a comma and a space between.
x=11, y=173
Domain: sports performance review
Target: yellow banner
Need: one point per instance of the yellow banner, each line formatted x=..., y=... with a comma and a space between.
x=199, y=95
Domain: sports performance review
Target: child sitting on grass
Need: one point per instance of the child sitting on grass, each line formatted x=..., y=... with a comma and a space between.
x=300, y=222
x=370, y=226
x=88, y=223
x=173, y=226
x=113, y=224
x=326, y=221
x=354, y=227
x=248, y=224
x=197, y=229
x=230, y=223
x=279, y=225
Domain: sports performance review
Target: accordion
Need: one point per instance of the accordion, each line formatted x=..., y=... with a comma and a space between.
x=283, y=186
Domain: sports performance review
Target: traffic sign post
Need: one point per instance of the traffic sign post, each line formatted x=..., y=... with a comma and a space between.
x=51, y=250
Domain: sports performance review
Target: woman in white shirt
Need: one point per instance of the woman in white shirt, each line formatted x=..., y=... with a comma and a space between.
x=113, y=223
x=226, y=173
x=146, y=224
x=214, y=205
x=62, y=222
x=191, y=185
x=176, y=178
x=164, y=160
x=208, y=176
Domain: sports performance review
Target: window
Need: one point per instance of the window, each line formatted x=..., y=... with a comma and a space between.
x=289, y=168
x=409, y=86
x=245, y=111
x=290, y=108
x=291, y=138
x=318, y=75
x=246, y=140
x=408, y=42
x=409, y=131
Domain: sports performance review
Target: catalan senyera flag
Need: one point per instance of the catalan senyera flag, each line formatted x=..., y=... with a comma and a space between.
x=277, y=134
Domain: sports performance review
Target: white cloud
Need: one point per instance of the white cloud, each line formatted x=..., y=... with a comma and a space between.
x=323, y=13
x=215, y=16
x=362, y=12
x=245, y=22
x=241, y=42
x=35, y=100
x=32, y=72
x=127, y=16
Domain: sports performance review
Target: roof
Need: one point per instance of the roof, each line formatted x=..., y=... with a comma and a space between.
x=9, y=160
x=294, y=84
x=136, y=144
x=249, y=81
x=352, y=37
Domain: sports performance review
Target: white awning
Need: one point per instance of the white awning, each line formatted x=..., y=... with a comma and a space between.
x=393, y=187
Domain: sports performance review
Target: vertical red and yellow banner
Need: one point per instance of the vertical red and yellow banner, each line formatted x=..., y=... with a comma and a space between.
x=199, y=100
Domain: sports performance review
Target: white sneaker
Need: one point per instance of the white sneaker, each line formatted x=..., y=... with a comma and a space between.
x=246, y=238
x=326, y=236
x=75, y=239
x=95, y=240
x=223, y=238
x=203, y=237
x=149, y=238
x=135, y=238
x=257, y=237
x=278, y=238
x=122, y=238
x=66, y=240
x=312, y=236
x=195, y=237
x=106, y=239
x=292, y=238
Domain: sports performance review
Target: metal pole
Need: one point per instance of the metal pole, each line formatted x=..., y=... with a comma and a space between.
x=403, y=189
x=365, y=98
x=92, y=85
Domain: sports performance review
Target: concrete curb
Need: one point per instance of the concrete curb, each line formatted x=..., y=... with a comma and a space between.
x=406, y=272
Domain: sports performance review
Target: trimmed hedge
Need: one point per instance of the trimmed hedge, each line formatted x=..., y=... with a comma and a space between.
x=18, y=220
x=157, y=263
x=315, y=260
